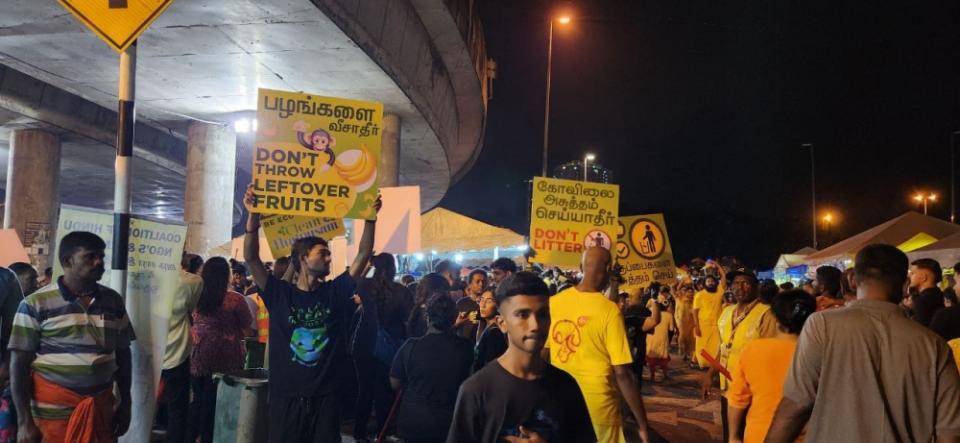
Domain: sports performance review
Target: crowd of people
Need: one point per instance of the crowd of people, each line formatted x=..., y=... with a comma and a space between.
x=488, y=354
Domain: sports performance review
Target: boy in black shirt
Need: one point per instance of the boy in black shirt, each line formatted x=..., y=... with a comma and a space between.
x=520, y=397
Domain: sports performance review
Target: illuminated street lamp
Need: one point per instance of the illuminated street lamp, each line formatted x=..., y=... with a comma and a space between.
x=827, y=224
x=587, y=158
x=925, y=199
x=563, y=20
x=813, y=193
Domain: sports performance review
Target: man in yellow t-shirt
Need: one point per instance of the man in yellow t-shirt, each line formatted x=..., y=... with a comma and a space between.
x=588, y=340
x=707, y=305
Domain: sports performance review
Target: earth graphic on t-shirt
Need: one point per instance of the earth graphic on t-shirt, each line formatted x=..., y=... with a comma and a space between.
x=540, y=422
x=310, y=338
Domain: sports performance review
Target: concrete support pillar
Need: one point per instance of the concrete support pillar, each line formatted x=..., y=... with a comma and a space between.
x=208, y=200
x=390, y=151
x=33, y=192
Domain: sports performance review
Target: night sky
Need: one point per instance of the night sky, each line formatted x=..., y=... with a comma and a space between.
x=700, y=111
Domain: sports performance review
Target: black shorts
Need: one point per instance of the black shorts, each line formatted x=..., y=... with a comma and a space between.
x=305, y=419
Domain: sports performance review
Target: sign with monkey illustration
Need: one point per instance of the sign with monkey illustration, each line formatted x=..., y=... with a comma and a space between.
x=316, y=156
x=568, y=216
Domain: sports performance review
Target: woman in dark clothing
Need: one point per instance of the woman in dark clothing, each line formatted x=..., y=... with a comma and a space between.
x=392, y=302
x=428, y=285
x=491, y=342
x=430, y=384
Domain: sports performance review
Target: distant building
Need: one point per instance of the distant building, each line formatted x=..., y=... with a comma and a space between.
x=574, y=171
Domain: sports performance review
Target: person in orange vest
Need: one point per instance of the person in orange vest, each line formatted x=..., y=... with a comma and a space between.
x=262, y=316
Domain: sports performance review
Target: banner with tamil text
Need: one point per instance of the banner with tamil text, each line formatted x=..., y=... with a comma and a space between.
x=153, y=266
x=643, y=249
x=568, y=216
x=316, y=156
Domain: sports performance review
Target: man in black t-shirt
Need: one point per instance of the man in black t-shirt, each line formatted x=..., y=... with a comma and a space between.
x=925, y=274
x=519, y=397
x=946, y=323
x=430, y=383
x=310, y=332
x=634, y=319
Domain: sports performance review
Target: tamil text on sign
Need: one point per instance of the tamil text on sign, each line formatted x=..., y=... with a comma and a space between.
x=643, y=249
x=569, y=216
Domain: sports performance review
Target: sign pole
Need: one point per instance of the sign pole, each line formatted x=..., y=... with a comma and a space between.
x=119, y=23
x=126, y=119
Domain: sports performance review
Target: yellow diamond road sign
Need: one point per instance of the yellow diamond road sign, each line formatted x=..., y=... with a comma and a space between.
x=117, y=22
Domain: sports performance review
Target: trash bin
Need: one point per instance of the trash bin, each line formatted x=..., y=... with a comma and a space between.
x=241, y=415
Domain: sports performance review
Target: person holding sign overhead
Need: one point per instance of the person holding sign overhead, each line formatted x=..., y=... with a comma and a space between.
x=309, y=332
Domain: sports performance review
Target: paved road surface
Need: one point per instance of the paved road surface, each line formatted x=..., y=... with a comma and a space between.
x=675, y=410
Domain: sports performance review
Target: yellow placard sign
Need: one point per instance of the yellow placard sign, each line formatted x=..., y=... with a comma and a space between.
x=282, y=230
x=568, y=216
x=117, y=22
x=643, y=249
x=316, y=156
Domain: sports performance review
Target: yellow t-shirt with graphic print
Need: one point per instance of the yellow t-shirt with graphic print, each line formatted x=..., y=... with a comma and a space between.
x=587, y=339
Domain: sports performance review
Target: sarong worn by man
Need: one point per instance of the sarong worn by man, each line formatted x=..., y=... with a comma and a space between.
x=76, y=359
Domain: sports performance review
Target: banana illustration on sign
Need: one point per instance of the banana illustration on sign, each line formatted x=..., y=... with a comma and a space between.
x=358, y=168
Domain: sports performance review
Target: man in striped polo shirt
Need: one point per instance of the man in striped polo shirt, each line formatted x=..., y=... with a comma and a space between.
x=70, y=342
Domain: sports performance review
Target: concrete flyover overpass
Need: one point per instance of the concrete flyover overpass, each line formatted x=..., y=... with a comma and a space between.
x=198, y=69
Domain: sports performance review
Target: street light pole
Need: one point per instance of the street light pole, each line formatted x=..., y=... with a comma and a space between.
x=813, y=193
x=546, y=108
x=953, y=177
x=925, y=199
x=586, y=158
x=827, y=223
x=827, y=233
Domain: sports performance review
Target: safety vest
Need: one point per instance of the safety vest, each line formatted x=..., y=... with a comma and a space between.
x=732, y=340
x=263, y=319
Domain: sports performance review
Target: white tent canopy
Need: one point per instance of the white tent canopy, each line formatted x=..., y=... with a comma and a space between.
x=946, y=251
x=895, y=232
x=443, y=230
